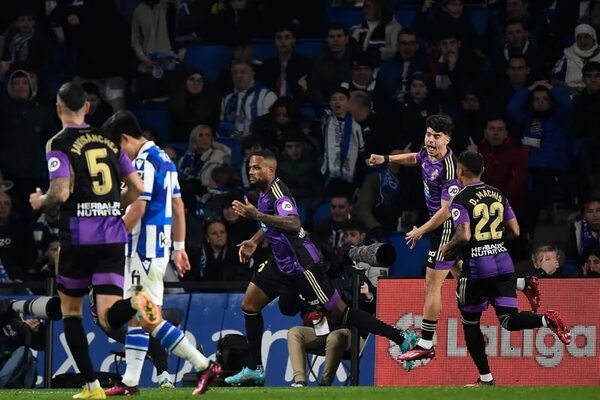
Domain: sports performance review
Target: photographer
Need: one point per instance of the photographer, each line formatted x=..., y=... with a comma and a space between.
x=317, y=333
x=19, y=336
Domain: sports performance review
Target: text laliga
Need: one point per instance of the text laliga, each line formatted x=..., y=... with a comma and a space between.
x=499, y=343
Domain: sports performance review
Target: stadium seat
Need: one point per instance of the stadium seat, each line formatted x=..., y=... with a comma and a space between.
x=209, y=59
x=310, y=47
x=155, y=116
x=263, y=49
x=409, y=263
x=236, y=150
x=480, y=17
x=405, y=15
x=347, y=16
x=322, y=211
x=55, y=82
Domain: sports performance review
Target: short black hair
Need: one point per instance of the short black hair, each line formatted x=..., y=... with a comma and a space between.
x=122, y=122
x=472, y=161
x=72, y=95
x=354, y=224
x=266, y=154
x=591, y=66
x=336, y=26
x=91, y=88
x=440, y=123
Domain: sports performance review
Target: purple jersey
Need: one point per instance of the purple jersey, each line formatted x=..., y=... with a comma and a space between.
x=439, y=179
x=95, y=166
x=486, y=209
x=293, y=252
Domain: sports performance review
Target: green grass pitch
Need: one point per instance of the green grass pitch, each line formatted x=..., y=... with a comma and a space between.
x=339, y=393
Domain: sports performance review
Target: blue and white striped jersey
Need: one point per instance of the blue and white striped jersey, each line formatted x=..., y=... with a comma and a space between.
x=151, y=237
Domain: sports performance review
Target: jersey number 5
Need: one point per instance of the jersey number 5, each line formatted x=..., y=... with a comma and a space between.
x=99, y=171
x=483, y=212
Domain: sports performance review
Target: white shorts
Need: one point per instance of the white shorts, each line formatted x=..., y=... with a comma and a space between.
x=148, y=273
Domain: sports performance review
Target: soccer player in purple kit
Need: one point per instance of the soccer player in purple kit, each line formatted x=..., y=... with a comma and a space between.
x=295, y=262
x=438, y=166
x=85, y=169
x=481, y=215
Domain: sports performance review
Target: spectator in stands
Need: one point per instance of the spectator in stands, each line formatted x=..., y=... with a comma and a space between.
x=332, y=66
x=546, y=261
x=343, y=141
x=517, y=44
x=248, y=101
x=282, y=72
x=448, y=16
x=300, y=168
x=238, y=228
x=99, y=110
x=25, y=126
x=26, y=47
x=584, y=232
x=241, y=50
x=377, y=33
x=392, y=79
x=543, y=113
x=470, y=119
x=411, y=114
x=45, y=265
x=237, y=18
x=329, y=232
x=587, y=103
x=379, y=203
x=455, y=67
x=585, y=49
x=284, y=115
x=99, y=36
x=151, y=42
x=505, y=164
x=374, y=127
x=16, y=244
x=500, y=91
x=362, y=75
x=193, y=102
x=591, y=266
x=201, y=158
x=217, y=259
x=530, y=12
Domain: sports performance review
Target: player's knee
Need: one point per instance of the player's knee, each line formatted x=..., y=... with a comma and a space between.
x=295, y=335
x=250, y=309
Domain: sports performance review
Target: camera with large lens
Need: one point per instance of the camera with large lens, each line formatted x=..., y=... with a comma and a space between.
x=376, y=254
x=43, y=307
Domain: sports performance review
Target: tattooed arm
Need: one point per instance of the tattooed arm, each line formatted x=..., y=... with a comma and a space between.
x=461, y=236
x=291, y=223
x=58, y=193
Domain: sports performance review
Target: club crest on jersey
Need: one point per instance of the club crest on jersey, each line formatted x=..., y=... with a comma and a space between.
x=53, y=164
x=434, y=174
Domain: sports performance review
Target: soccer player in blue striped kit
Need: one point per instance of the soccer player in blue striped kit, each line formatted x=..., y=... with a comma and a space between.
x=154, y=220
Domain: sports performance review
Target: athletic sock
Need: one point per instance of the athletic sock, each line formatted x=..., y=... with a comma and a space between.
x=173, y=339
x=136, y=347
x=78, y=345
x=255, y=326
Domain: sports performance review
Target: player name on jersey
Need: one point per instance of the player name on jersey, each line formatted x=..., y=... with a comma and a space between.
x=99, y=209
x=483, y=193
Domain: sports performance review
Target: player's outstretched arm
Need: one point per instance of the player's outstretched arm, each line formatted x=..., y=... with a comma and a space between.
x=407, y=159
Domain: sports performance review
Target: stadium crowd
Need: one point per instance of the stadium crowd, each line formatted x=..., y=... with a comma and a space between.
x=323, y=84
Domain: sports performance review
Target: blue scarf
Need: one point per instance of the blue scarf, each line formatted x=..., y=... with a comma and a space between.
x=389, y=184
x=533, y=136
x=587, y=236
x=191, y=165
x=345, y=144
